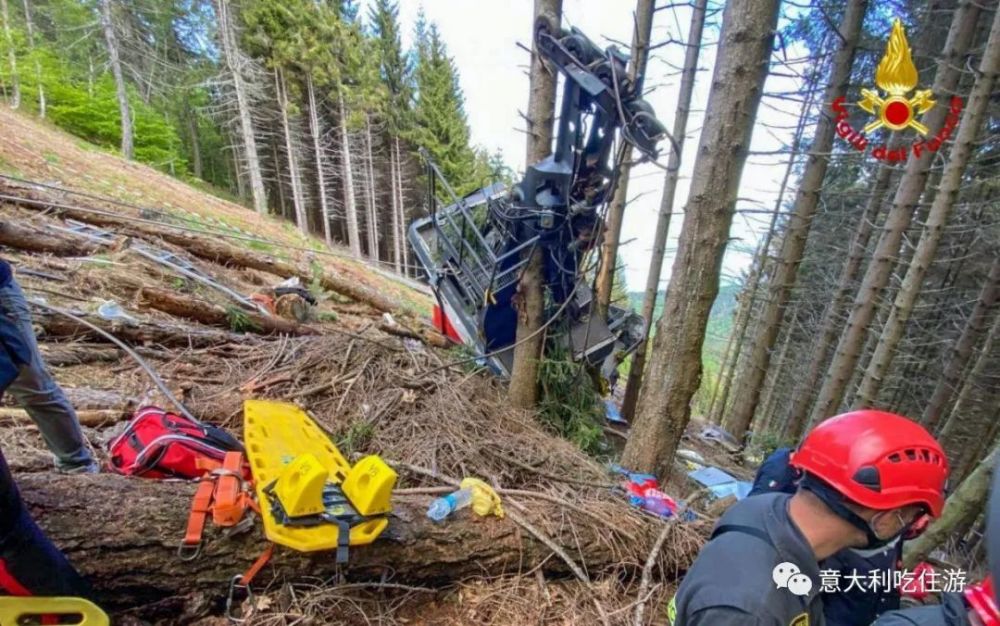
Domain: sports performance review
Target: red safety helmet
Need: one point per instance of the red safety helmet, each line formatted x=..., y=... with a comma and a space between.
x=879, y=460
x=982, y=600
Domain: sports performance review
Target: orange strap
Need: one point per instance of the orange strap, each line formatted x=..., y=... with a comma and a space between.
x=223, y=493
x=200, y=508
x=257, y=565
x=230, y=501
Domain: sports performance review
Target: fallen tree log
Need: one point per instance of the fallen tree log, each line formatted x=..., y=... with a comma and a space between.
x=214, y=315
x=130, y=555
x=202, y=247
x=225, y=254
x=62, y=355
x=428, y=336
x=170, y=335
x=93, y=418
x=41, y=241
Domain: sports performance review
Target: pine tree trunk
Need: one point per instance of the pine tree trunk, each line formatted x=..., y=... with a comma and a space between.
x=402, y=210
x=350, y=206
x=724, y=366
x=30, y=28
x=298, y=201
x=397, y=256
x=741, y=327
x=800, y=222
x=616, y=210
x=241, y=187
x=196, y=164
x=317, y=133
x=664, y=407
x=373, y=227
x=681, y=113
x=802, y=398
x=15, y=84
x=234, y=62
x=937, y=218
x=966, y=502
x=124, y=110
x=282, y=205
x=966, y=425
x=523, y=389
x=770, y=396
x=963, y=348
x=905, y=202
x=90, y=76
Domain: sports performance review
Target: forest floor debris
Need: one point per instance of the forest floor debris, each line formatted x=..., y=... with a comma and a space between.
x=377, y=386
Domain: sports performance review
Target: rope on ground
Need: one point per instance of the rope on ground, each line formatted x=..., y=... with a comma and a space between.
x=128, y=350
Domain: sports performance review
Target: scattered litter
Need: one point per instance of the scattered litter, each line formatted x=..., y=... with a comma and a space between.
x=444, y=506
x=294, y=286
x=720, y=483
x=644, y=493
x=113, y=312
x=180, y=265
x=413, y=346
x=483, y=499
x=715, y=434
x=691, y=455
x=73, y=227
x=388, y=319
x=612, y=413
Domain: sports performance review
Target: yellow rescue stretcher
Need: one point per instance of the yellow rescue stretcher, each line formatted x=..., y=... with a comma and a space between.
x=15, y=610
x=310, y=497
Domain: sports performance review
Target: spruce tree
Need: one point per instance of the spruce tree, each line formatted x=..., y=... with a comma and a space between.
x=439, y=121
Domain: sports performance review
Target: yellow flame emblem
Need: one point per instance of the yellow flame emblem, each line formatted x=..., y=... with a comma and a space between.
x=896, y=75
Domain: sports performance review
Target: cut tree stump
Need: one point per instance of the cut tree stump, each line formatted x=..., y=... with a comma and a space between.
x=188, y=307
x=123, y=533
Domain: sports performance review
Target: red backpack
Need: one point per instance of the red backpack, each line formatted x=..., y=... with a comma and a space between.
x=157, y=444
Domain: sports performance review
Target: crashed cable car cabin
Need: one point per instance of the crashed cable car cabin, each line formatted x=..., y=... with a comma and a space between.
x=475, y=248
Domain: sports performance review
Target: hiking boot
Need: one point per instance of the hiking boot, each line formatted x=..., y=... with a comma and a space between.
x=87, y=468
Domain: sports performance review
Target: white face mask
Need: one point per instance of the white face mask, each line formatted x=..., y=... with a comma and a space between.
x=880, y=550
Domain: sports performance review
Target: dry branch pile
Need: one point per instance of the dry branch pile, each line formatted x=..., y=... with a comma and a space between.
x=570, y=550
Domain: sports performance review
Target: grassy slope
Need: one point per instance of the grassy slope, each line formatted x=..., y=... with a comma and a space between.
x=38, y=151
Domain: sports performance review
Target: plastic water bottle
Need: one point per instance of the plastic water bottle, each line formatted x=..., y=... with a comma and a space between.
x=445, y=506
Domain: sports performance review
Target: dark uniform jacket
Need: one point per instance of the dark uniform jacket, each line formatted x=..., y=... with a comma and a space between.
x=732, y=581
x=951, y=612
x=852, y=605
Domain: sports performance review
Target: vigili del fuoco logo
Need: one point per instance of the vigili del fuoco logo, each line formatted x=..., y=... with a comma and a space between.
x=894, y=108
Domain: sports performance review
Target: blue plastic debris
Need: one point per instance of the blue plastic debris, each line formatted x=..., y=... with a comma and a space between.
x=720, y=483
x=612, y=413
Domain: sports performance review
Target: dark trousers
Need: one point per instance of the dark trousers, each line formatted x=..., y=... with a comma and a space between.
x=29, y=563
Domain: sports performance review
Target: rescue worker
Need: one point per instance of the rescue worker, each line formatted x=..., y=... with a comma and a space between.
x=977, y=604
x=29, y=563
x=36, y=390
x=867, y=477
x=857, y=606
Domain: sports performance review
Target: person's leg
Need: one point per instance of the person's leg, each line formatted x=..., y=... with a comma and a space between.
x=29, y=563
x=41, y=397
